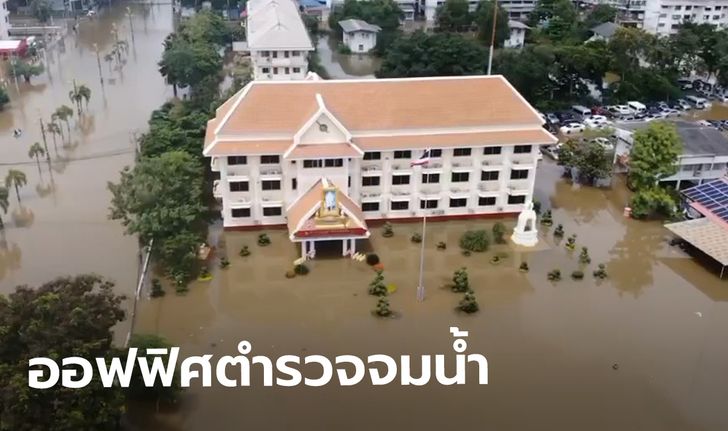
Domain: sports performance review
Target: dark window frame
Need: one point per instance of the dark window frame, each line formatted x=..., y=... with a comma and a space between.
x=458, y=202
x=268, y=209
x=456, y=177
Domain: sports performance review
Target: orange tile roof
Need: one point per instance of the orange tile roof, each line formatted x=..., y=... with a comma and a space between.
x=231, y=148
x=312, y=199
x=537, y=136
x=332, y=150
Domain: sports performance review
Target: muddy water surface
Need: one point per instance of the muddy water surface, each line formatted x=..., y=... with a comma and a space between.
x=626, y=353
x=62, y=227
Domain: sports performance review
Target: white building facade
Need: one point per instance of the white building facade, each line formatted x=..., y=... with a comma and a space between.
x=278, y=145
x=277, y=40
x=517, y=37
x=359, y=36
x=4, y=19
x=664, y=17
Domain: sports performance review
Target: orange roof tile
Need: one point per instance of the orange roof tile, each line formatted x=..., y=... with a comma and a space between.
x=230, y=148
x=537, y=136
x=329, y=150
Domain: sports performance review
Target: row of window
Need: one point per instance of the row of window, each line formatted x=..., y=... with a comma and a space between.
x=689, y=7
x=283, y=70
x=483, y=201
x=457, y=152
x=325, y=163
x=267, y=212
x=243, y=160
x=285, y=54
x=455, y=177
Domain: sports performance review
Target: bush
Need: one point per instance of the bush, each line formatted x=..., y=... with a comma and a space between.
x=523, y=267
x=468, y=304
x=554, y=275
x=157, y=290
x=441, y=245
x=372, y=259
x=460, y=280
x=205, y=274
x=377, y=286
x=577, y=275
x=546, y=218
x=263, y=240
x=382, y=309
x=343, y=49
x=559, y=231
x=537, y=207
x=416, y=238
x=495, y=260
x=475, y=241
x=290, y=273
x=600, y=272
x=244, y=251
x=224, y=262
x=301, y=269
x=499, y=231
x=584, y=256
x=571, y=242
x=387, y=230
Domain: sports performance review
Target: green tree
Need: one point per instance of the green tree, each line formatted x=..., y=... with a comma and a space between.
x=654, y=155
x=25, y=69
x=63, y=113
x=36, y=151
x=453, y=16
x=557, y=18
x=440, y=54
x=591, y=160
x=184, y=63
x=4, y=99
x=600, y=14
x=78, y=95
x=483, y=17
x=16, y=178
x=66, y=317
x=41, y=10
x=54, y=129
x=178, y=255
x=158, y=393
x=4, y=204
x=384, y=13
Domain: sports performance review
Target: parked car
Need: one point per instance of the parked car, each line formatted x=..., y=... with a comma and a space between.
x=570, y=128
x=685, y=84
x=698, y=102
x=636, y=106
x=620, y=110
x=553, y=151
x=552, y=118
x=604, y=142
x=601, y=110
x=671, y=112
x=596, y=121
x=684, y=104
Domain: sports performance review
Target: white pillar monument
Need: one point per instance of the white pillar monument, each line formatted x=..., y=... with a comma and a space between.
x=525, y=232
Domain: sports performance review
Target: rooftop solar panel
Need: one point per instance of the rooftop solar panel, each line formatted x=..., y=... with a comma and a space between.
x=712, y=195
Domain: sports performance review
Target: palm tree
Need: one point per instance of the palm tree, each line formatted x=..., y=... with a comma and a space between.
x=4, y=204
x=78, y=95
x=63, y=113
x=54, y=129
x=36, y=152
x=17, y=179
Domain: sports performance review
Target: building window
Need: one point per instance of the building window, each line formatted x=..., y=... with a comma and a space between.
x=678, y=7
x=400, y=179
x=275, y=54
x=333, y=163
x=287, y=70
x=294, y=183
x=270, y=160
x=275, y=71
x=428, y=204
x=400, y=205
x=373, y=156
x=489, y=176
x=240, y=212
x=403, y=154
x=435, y=153
x=237, y=160
x=458, y=202
x=270, y=185
x=296, y=70
x=430, y=178
x=522, y=149
x=312, y=163
x=265, y=69
x=370, y=206
x=461, y=152
x=519, y=174
x=238, y=186
x=286, y=54
x=486, y=201
x=370, y=181
x=264, y=53
x=272, y=211
x=488, y=151
x=460, y=177
x=515, y=200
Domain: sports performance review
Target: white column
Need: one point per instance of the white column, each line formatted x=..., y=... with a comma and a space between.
x=353, y=246
x=313, y=248
x=303, y=249
x=344, y=243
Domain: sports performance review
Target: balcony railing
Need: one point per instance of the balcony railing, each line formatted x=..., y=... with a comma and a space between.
x=271, y=170
x=489, y=186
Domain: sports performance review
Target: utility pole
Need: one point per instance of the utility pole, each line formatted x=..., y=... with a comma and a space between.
x=131, y=25
x=492, y=36
x=98, y=62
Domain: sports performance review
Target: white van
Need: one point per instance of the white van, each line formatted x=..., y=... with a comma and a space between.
x=583, y=111
x=636, y=107
x=697, y=102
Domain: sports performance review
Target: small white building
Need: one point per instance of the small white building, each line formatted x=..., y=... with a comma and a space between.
x=603, y=31
x=517, y=36
x=324, y=157
x=4, y=19
x=277, y=40
x=359, y=36
x=664, y=17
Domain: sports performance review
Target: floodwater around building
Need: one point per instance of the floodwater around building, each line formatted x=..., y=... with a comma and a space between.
x=644, y=349
x=62, y=227
x=343, y=66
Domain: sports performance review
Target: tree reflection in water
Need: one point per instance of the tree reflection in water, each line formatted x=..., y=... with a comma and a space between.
x=634, y=256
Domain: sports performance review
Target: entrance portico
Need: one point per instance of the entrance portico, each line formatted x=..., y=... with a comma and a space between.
x=324, y=213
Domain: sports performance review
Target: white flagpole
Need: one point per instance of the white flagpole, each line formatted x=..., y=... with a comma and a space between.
x=421, y=285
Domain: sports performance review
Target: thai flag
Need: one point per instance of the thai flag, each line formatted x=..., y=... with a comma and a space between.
x=423, y=160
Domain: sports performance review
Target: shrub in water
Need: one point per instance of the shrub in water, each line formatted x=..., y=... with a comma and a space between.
x=460, y=282
x=495, y=260
x=600, y=272
x=523, y=267
x=387, y=230
x=577, y=275
x=475, y=240
x=468, y=304
x=499, y=232
x=416, y=238
x=571, y=242
x=301, y=269
x=559, y=231
x=554, y=275
x=244, y=251
x=263, y=240
x=224, y=262
x=157, y=290
x=546, y=218
x=290, y=273
x=584, y=256
x=377, y=286
x=382, y=309
x=441, y=245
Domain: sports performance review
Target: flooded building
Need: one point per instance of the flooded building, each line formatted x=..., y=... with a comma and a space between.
x=277, y=40
x=4, y=19
x=704, y=156
x=353, y=142
x=359, y=36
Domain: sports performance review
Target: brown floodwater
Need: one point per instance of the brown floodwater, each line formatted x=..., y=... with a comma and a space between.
x=345, y=66
x=62, y=226
x=552, y=347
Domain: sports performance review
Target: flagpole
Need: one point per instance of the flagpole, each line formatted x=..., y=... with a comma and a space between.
x=421, y=285
x=492, y=35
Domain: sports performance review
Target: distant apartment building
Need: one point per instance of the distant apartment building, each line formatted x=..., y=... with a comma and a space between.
x=4, y=19
x=664, y=17
x=517, y=9
x=282, y=147
x=277, y=40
